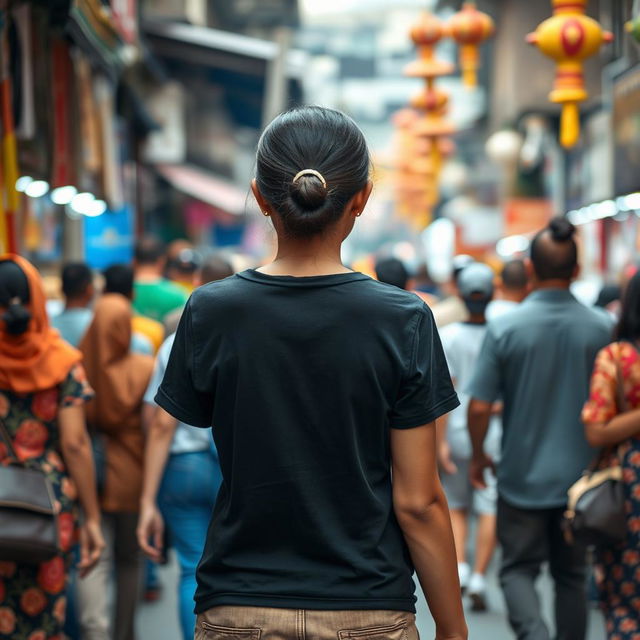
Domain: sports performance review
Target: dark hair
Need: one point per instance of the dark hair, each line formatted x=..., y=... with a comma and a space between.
x=629, y=324
x=186, y=262
x=514, y=274
x=76, y=277
x=118, y=278
x=607, y=295
x=14, y=295
x=215, y=268
x=149, y=249
x=392, y=271
x=460, y=262
x=554, y=252
x=315, y=138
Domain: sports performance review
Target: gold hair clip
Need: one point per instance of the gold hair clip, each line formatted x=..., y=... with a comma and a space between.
x=311, y=172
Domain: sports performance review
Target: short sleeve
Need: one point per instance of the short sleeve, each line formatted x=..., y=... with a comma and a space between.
x=178, y=393
x=158, y=372
x=601, y=405
x=485, y=383
x=75, y=389
x=426, y=392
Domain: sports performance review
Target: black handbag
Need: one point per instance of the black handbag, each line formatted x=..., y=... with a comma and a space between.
x=595, y=514
x=28, y=519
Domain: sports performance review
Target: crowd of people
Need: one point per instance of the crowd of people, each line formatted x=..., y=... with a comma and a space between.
x=78, y=402
x=358, y=425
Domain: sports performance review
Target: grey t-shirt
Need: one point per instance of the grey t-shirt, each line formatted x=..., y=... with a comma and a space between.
x=538, y=358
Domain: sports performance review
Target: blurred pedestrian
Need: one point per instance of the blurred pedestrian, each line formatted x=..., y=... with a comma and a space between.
x=154, y=295
x=392, y=271
x=147, y=334
x=462, y=342
x=451, y=308
x=119, y=379
x=513, y=289
x=317, y=380
x=538, y=358
x=608, y=424
x=181, y=475
x=182, y=267
x=43, y=389
x=78, y=290
x=215, y=267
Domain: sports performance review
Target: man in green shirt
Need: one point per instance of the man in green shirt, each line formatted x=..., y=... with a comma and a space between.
x=154, y=295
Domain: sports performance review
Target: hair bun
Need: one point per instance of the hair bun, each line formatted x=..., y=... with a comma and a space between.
x=308, y=192
x=561, y=229
x=17, y=318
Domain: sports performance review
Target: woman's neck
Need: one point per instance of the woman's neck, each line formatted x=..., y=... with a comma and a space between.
x=311, y=257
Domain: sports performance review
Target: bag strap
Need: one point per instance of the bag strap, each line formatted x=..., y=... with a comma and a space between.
x=4, y=435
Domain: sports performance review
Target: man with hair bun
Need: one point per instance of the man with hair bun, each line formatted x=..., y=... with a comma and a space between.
x=538, y=359
x=514, y=287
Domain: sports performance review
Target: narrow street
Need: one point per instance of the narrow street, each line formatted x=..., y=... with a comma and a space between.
x=158, y=621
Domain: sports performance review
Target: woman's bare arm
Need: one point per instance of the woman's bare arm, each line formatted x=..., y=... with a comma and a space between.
x=422, y=512
x=160, y=432
x=623, y=426
x=78, y=457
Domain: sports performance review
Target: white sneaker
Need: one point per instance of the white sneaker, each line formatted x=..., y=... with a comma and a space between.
x=464, y=572
x=478, y=592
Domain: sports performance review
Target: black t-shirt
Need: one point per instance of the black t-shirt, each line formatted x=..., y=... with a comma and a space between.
x=302, y=378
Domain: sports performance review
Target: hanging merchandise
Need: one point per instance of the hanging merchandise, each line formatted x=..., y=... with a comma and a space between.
x=111, y=174
x=26, y=120
x=9, y=150
x=62, y=169
x=470, y=28
x=569, y=37
x=89, y=126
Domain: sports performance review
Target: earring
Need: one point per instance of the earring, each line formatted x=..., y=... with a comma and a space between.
x=358, y=214
x=265, y=214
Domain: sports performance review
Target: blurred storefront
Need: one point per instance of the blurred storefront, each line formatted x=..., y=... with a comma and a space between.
x=124, y=116
x=228, y=71
x=72, y=121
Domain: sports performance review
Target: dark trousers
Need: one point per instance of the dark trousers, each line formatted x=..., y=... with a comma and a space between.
x=528, y=538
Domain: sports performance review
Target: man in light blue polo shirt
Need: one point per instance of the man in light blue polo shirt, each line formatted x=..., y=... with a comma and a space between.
x=538, y=358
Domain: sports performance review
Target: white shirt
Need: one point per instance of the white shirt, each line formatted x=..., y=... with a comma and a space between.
x=498, y=308
x=186, y=439
x=462, y=342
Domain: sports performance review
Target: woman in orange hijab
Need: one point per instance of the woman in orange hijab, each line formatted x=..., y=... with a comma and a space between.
x=43, y=389
x=119, y=379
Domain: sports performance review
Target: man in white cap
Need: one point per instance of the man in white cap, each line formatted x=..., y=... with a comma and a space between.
x=462, y=342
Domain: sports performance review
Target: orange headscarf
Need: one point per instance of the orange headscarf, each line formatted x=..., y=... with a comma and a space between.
x=118, y=377
x=39, y=358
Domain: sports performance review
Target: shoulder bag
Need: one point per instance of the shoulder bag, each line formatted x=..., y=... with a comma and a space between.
x=595, y=512
x=28, y=519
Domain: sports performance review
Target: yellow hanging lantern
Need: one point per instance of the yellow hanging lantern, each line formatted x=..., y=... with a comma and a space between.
x=569, y=37
x=470, y=28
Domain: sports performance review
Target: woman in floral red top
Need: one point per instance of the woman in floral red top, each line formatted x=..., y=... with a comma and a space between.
x=42, y=392
x=618, y=568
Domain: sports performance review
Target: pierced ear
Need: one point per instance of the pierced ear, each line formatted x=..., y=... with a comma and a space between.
x=262, y=203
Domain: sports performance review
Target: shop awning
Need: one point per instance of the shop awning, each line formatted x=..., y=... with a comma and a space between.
x=220, y=49
x=205, y=186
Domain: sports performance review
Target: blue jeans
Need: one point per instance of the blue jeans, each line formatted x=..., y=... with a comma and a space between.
x=186, y=498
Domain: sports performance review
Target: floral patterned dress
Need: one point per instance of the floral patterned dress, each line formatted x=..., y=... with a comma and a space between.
x=618, y=569
x=32, y=597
